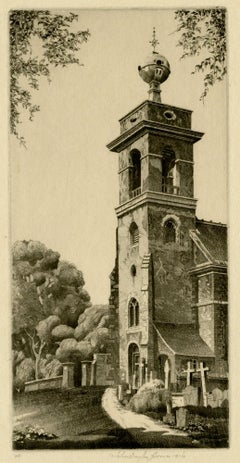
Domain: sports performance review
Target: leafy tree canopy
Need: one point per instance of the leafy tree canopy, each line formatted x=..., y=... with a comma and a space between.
x=204, y=31
x=46, y=293
x=59, y=47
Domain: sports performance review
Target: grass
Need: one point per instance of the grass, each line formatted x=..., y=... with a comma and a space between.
x=79, y=422
x=75, y=417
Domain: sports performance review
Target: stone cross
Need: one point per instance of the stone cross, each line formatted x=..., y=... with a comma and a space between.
x=146, y=373
x=189, y=372
x=134, y=382
x=166, y=371
x=203, y=371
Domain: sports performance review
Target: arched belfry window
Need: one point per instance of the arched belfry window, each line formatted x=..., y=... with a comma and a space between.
x=134, y=234
x=135, y=173
x=168, y=163
x=133, y=312
x=169, y=231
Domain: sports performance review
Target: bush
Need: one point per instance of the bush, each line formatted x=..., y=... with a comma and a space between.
x=20, y=437
x=25, y=371
x=18, y=385
x=150, y=397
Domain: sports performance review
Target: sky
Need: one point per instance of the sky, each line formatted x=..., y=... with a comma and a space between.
x=64, y=186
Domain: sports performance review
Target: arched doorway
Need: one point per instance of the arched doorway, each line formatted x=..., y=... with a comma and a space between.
x=133, y=365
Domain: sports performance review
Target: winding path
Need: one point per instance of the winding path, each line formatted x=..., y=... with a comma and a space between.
x=131, y=420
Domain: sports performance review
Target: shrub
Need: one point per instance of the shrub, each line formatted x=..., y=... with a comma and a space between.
x=30, y=433
x=18, y=385
x=150, y=397
x=25, y=371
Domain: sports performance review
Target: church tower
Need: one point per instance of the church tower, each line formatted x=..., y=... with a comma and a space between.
x=156, y=211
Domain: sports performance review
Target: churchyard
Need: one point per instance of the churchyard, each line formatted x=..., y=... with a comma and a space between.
x=200, y=408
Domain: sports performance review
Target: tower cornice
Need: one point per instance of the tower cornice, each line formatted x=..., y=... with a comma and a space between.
x=147, y=126
x=154, y=197
x=157, y=105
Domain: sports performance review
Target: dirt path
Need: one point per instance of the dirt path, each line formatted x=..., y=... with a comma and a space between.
x=148, y=433
x=128, y=419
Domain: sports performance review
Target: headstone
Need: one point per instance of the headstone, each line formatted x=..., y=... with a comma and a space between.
x=181, y=418
x=68, y=375
x=217, y=397
x=225, y=401
x=190, y=395
x=225, y=394
x=209, y=399
x=169, y=407
x=169, y=418
x=177, y=399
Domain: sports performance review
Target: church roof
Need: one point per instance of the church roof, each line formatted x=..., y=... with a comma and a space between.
x=213, y=236
x=183, y=340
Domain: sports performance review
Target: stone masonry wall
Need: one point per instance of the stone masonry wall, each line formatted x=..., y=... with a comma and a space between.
x=171, y=261
x=133, y=286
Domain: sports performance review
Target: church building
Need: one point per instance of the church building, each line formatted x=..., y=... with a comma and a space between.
x=169, y=285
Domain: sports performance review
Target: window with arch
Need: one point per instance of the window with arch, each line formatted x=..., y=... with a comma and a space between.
x=134, y=234
x=169, y=231
x=135, y=173
x=133, y=312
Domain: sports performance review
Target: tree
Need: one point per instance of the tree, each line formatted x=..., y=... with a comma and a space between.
x=59, y=47
x=204, y=31
x=47, y=293
x=27, y=313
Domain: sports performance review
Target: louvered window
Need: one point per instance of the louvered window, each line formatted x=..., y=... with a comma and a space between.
x=134, y=234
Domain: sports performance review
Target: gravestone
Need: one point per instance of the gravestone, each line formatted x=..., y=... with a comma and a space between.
x=177, y=399
x=190, y=395
x=169, y=418
x=225, y=401
x=182, y=418
x=210, y=400
x=225, y=394
x=217, y=397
